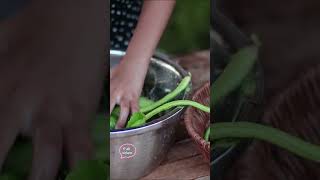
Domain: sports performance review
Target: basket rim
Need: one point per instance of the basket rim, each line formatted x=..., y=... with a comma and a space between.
x=198, y=139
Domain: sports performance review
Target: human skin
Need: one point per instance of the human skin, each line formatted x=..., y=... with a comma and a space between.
x=52, y=66
x=126, y=80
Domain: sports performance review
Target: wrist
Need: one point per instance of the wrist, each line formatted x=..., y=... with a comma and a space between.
x=138, y=58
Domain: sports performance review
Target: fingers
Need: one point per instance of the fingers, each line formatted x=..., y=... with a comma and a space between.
x=78, y=143
x=124, y=112
x=112, y=72
x=112, y=104
x=113, y=99
x=47, y=151
x=125, y=107
x=134, y=104
x=124, y=95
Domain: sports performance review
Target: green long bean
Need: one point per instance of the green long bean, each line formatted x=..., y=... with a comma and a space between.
x=207, y=134
x=235, y=72
x=136, y=118
x=181, y=87
x=165, y=107
x=113, y=118
x=277, y=137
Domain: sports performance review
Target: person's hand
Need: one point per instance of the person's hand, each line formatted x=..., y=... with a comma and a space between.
x=50, y=102
x=54, y=110
x=126, y=82
x=127, y=79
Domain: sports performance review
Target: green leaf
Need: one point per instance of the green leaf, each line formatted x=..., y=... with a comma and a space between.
x=113, y=121
x=144, y=102
x=135, y=118
x=116, y=111
x=89, y=170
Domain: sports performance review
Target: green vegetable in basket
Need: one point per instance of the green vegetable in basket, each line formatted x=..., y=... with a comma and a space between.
x=236, y=71
x=207, y=134
x=227, y=130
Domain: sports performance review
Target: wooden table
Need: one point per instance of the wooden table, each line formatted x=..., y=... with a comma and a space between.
x=183, y=161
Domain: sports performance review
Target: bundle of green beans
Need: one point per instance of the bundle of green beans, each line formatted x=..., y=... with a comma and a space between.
x=232, y=77
x=143, y=102
x=149, y=109
x=247, y=130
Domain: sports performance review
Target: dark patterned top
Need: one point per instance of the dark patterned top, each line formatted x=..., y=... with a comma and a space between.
x=124, y=17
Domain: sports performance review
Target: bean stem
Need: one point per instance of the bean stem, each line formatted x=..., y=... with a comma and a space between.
x=181, y=87
x=207, y=134
x=170, y=105
x=235, y=72
x=277, y=137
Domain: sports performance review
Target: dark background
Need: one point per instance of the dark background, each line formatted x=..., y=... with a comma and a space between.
x=289, y=31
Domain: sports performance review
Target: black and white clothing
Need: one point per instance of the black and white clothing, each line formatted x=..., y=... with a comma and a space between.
x=124, y=16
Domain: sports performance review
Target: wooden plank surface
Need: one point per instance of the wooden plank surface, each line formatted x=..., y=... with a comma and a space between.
x=204, y=178
x=182, y=163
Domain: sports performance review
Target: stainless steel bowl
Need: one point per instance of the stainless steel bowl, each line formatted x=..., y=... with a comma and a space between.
x=136, y=152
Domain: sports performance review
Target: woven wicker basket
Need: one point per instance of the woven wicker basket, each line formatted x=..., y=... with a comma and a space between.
x=198, y=121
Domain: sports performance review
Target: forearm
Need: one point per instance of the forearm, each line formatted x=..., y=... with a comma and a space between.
x=152, y=22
